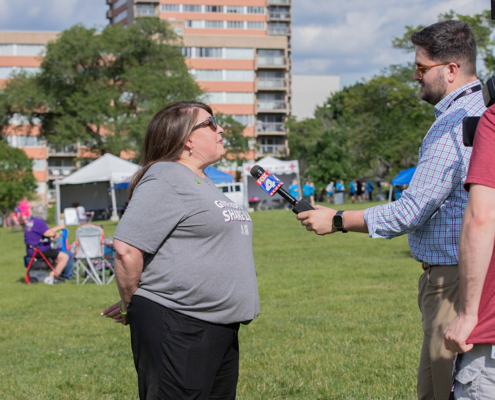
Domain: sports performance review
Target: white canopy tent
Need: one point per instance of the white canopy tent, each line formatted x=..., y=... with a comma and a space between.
x=89, y=185
x=286, y=171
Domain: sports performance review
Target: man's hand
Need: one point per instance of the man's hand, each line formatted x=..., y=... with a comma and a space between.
x=457, y=333
x=319, y=221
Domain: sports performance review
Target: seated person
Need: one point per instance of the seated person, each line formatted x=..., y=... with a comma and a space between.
x=37, y=234
x=84, y=216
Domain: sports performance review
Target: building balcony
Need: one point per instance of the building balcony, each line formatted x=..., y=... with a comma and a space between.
x=109, y=14
x=271, y=83
x=59, y=172
x=279, y=31
x=272, y=106
x=109, y=2
x=263, y=150
x=62, y=151
x=278, y=16
x=270, y=128
x=278, y=2
x=271, y=62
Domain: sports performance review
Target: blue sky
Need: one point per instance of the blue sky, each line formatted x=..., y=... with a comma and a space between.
x=349, y=38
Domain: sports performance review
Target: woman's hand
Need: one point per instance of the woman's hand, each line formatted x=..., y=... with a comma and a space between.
x=114, y=312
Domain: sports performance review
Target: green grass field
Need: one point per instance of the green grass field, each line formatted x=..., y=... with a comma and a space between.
x=338, y=320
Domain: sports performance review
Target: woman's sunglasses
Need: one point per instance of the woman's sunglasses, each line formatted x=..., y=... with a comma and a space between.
x=210, y=121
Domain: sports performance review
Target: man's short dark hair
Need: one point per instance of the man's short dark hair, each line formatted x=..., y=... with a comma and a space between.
x=449, y=41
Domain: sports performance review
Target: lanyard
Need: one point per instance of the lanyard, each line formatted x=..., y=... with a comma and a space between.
x=466, y=93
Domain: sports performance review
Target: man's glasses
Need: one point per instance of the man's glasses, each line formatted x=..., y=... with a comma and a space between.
x=420, y=68
x=210, y=121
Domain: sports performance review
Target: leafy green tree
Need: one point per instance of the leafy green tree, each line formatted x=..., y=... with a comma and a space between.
x=235, y=143
x=16, y=178
x=371, y=128
x=102, y=89
x=322, y=147
x=482, y=25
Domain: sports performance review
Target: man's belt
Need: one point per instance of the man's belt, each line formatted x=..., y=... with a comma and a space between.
x=427, y=266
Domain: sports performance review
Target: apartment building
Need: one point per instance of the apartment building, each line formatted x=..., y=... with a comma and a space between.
x=239, y=52
x=24, y=51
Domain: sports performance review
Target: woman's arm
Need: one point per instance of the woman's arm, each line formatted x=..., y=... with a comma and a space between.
x=128, y=269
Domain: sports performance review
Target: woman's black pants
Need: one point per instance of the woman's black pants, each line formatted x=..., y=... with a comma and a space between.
x=178, y=357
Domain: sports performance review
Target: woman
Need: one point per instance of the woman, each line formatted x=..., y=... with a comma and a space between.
x=184, y=263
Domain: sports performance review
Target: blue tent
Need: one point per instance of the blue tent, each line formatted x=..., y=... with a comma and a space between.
x=214, y=174
x=217, y=176
x=404, y=177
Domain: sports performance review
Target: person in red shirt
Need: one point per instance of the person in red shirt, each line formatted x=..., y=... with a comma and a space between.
x=472, y=332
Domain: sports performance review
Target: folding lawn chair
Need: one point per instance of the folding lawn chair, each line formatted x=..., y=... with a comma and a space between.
x=90, y=257
x=37, y=269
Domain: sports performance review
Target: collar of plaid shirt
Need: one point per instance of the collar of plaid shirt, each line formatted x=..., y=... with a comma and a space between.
x=444, y=104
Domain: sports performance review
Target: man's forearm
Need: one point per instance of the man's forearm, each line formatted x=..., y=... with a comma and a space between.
x=354, y=221
x=475, y=251
x=475, y=247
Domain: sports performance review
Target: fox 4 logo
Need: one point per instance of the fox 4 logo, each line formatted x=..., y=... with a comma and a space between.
x=269, y=183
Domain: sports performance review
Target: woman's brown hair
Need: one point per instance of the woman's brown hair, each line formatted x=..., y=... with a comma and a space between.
x=167, y=135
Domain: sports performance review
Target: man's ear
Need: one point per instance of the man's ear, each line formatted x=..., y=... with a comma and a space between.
x=452, y=72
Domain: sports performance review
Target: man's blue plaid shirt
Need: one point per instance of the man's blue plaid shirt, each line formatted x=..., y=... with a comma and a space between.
x=430, y=210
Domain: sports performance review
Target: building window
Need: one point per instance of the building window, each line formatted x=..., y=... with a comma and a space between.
x=217, y=9
x=256, y=10
x=120, y=17
x=208, y=52
x=235, y=24
x=208, y=74
x=247, y=120
x=6, y=72
x=192, y=8
x=239, y=54
x=25, y=141
x=178, y=30
x=187, y=52
x=194, y=24
x=145, y=10
x=256, y=25
x=119, y=3
x=22, y=49
x=214, y=24
x=235, y=9
x=39, y=164
x=233, y=75
x=170, y=7
x=239, y=98
x=229, y=97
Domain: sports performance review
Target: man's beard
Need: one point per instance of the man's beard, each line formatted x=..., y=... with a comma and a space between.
x=434, y=91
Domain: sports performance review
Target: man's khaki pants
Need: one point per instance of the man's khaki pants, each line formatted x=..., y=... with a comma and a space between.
x=438, y=302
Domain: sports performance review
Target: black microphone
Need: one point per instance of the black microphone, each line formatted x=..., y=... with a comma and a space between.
x=298, y=206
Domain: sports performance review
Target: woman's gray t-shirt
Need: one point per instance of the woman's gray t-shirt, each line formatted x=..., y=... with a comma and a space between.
x=198, y=244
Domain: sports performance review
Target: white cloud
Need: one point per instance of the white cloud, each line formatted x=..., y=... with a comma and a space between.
x=51, y=15
x=353, y=38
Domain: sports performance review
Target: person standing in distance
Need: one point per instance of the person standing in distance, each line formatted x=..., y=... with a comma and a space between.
x=184, y=263
x=294, y=192
x=430, y=210
x=472, y=332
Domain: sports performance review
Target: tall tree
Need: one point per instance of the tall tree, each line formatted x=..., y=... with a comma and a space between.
x=235, y=143
x=16, y=178
x=102, y=89
x=372, y=128
x=482, y=25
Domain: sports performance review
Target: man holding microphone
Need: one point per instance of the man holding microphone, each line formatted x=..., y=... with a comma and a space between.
x=430, y=210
